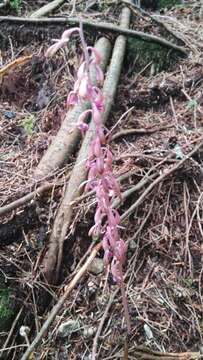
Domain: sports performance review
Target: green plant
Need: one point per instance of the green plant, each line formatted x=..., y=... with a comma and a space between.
x=149, y=52
x=15, y=4
x=6, y=309
x=168, y=3
x=188, y=282
x=192, y=104
x=28, y=124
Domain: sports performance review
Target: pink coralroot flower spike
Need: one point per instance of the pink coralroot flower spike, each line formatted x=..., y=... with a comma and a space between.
x=100, y=159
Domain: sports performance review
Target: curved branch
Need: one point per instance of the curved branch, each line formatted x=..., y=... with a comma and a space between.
x=99, y=25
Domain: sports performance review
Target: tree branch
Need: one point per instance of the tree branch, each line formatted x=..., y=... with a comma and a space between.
x=99, y=25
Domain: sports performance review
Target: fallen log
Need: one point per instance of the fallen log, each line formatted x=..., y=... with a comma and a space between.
x=46, y=9
x=53, y=258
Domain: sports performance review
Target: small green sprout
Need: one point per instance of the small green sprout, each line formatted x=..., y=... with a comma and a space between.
x=28, y=124
x=192, y=104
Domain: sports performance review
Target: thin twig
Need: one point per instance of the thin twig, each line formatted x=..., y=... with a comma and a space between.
x=11, y=332
x=101, y=324
x=141, y=131
x=28, y=197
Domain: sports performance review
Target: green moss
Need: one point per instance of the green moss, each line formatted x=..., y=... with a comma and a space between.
x=6, y=309
x=146, y=52
x=168, y=3
x=15, y=4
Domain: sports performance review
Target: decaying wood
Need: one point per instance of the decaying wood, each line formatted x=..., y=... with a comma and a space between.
x=60, y=303
x=52, y=261
x=48, y=8
x=95, y=25
x=15, y=63
x=68, y=135
x=144, y=353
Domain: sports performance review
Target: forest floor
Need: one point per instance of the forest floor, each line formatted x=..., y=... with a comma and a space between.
x=161, y=97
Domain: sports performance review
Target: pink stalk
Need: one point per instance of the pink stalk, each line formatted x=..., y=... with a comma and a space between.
x=99, y=162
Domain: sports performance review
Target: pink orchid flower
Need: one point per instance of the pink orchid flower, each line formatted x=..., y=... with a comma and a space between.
x=61, y=42
x=100, y=158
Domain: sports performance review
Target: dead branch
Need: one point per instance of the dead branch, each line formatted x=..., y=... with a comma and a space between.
x=46, y=9
x=68, y=135
x=41, y=189
x=99, y=25
x=60, y=303
x=28, y=197
x=15, y=63
x=52, y=261
x=140, y=131
x=142, y=352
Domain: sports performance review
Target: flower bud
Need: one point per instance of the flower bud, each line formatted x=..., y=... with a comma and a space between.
x=95, y=55
x=72, y=98
x=83, y=127
x=83, y=91
x=96, y=115
x=81, y=71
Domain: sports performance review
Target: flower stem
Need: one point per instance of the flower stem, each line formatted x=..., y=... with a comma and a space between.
x=125, y=305
x=84, y=46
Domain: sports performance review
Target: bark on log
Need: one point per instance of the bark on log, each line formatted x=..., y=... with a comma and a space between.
x=46, y=9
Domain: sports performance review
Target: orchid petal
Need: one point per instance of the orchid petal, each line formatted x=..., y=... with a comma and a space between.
x=113, y=217
x=55, y=47
x=81, y=71
x=84, y=115
x=67, y=33
x=83, y=91
x=100, y=165
x=96, y=115
x=83, y=127
x=99, y=74
x=96, y=57
x=116, y=271
x=72, y=98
